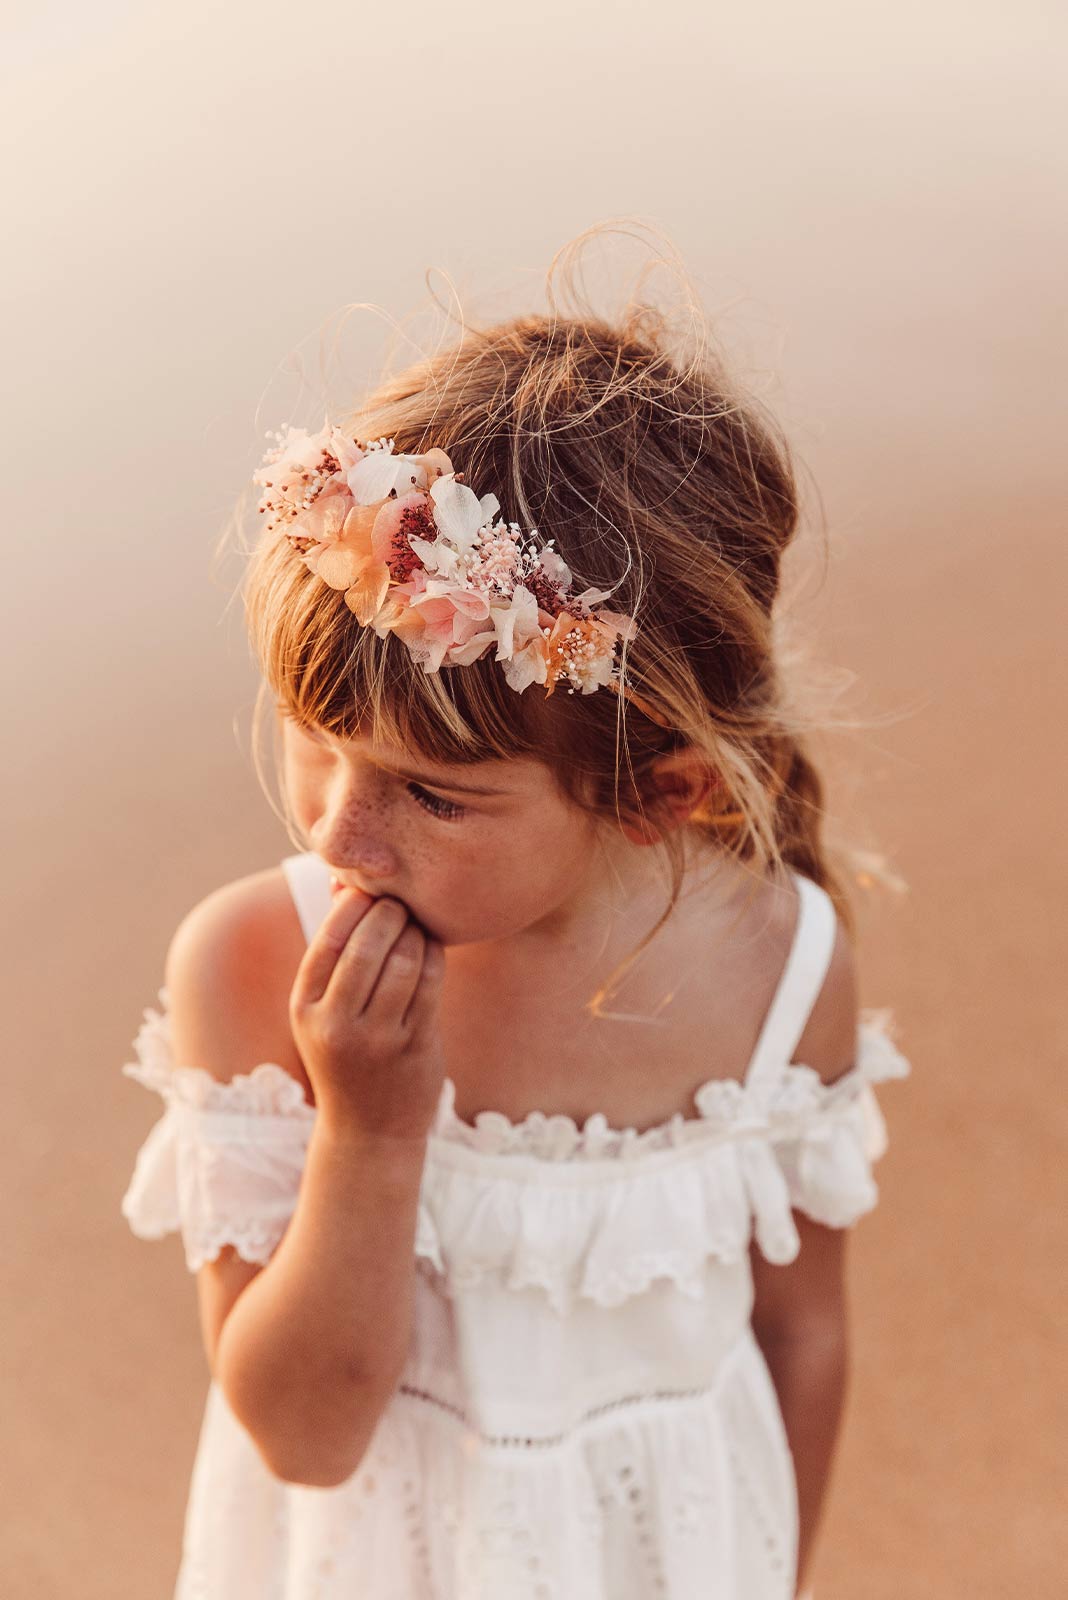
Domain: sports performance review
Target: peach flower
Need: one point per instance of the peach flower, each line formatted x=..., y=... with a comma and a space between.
x=352, y=546
x=582, y=650
x=345, y=450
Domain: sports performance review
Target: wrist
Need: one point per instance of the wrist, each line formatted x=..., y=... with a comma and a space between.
x=391, y=1153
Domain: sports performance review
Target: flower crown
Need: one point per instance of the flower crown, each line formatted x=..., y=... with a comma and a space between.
x=419, y=554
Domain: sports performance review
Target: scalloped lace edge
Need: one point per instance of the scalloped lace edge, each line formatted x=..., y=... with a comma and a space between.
x=565, y=1282
x=725, y=1106
x=267, y=1090
x=253, y=1242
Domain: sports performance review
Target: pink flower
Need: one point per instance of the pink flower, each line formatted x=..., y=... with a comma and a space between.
x=301, y=466
x=389, y=541
x=451, y=616
x=517, y=633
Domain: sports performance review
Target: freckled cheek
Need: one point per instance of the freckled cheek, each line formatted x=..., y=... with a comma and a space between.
x=366, y=832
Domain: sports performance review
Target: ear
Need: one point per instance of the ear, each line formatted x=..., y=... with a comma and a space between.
x=681, y=782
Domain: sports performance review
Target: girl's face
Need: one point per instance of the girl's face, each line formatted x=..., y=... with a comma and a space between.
x=515, y=858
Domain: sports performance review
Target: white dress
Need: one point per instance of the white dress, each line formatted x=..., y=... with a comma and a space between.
x=585, y=1413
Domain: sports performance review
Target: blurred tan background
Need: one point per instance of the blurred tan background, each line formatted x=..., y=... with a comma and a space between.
x=873, y=202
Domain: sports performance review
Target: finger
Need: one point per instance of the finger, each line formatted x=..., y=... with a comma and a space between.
x=398, y=978
x=425, y=1000
x=360, y=963
x=326, y=945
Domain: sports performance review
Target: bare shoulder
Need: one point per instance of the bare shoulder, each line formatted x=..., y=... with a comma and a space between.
x=229, y=970
x=748, y=934
x=828, y=1041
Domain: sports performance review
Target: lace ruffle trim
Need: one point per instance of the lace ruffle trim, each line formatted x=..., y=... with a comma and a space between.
x=612, y=1239
x=268, y=1090
x=602, y=1232
x=726, y=1109
x=254, y=1241
x=796, y=1144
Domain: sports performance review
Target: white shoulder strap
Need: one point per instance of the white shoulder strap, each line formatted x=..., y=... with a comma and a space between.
x=308, y=877
x=801, y=981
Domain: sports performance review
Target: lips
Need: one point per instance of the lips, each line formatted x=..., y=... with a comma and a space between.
x=337, y=884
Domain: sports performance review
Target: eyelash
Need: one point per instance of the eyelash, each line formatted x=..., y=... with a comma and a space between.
x=446, y=810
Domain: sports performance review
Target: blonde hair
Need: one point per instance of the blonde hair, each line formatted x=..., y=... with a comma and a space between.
x=658, y=479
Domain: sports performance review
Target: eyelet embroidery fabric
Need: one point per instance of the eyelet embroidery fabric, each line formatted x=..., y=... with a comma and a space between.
x=628, y=1459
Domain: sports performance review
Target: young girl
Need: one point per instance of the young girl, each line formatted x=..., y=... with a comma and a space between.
x=512, y=1125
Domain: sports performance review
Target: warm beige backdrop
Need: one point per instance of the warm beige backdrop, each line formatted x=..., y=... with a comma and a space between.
x=874, y=198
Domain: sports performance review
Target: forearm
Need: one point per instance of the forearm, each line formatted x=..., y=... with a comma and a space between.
x=313, y=1347
x=810, y=1371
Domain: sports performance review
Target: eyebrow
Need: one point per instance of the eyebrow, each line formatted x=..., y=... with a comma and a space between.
x=440, y=783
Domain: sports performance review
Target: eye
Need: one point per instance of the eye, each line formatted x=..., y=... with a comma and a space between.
x=433, y=802
x=447, y=810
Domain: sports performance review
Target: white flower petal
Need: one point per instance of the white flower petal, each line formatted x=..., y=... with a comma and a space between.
x=456, y=511
x=555, y=568
x=436, y=556
x=371, y=479
x=528, y=667
x=516, y=621
x=504, y=622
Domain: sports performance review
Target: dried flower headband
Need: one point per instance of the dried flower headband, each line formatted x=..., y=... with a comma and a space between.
x=419, y=554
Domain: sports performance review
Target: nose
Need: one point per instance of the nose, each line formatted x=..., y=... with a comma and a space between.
x=351, y=837
x=361, y=858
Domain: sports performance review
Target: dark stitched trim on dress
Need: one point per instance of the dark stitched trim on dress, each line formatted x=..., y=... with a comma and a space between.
x=535, y=1441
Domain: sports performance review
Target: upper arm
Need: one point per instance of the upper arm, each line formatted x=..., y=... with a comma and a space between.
x=228, y=971
x=806, y=1297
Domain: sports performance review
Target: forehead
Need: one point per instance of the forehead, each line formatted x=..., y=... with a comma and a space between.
x=516, y=775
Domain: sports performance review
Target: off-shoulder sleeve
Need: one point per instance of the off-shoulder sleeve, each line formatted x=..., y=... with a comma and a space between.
x=223, y=1163
x=828, y=1156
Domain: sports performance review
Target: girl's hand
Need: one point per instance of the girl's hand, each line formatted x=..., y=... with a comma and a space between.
x=364, y=1010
